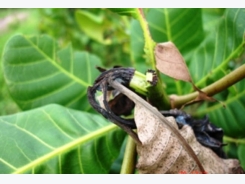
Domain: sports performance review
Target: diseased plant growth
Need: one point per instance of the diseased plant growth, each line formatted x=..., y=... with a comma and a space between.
x=157, y=61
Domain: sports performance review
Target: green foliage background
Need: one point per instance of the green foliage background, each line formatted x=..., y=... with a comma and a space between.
x=49, y=60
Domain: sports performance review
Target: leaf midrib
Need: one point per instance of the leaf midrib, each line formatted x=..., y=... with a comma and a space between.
x=78, y=80
x=93, y=135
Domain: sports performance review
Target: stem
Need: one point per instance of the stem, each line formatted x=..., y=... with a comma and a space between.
x=140, y=83
x=214, y=88
x=159, y=94
x=129, y=159
x=233, y=140
x=154, y=96
x=149, y=43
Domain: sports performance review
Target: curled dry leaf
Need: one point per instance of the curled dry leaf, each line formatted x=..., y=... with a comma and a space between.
x=170, y=62
x=161, y=151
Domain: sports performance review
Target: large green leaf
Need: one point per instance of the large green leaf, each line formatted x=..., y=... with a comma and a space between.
x=231, y=117
x=37, y=73
x=235, y=148
x=125, y=11
x=103, y=27
x=210, y=60
x=231, y=120
x=93, y=25
x=241, y=153
x=55, y=139
x=181, y=26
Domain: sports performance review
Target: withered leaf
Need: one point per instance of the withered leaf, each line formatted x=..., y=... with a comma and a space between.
x=161, y=151
x=170, y=62
x=139, y=101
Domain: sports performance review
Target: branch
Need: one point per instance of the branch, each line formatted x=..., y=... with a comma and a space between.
x=129, y=159
x=159, y=94
x=214, y=88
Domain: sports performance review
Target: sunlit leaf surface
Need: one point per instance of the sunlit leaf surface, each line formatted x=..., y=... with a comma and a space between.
x=55, y=139
x=38, y=73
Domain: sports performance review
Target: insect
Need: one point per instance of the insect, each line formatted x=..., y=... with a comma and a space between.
x=206, y=133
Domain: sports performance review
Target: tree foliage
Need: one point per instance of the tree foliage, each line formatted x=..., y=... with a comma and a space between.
x=57, y=131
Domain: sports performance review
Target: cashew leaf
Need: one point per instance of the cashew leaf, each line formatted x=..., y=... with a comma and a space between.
x=38, y=73
x=55, y=139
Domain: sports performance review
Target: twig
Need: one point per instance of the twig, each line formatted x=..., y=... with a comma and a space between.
x=216, y=87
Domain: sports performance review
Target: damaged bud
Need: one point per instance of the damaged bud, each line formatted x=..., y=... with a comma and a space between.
x=151, y=77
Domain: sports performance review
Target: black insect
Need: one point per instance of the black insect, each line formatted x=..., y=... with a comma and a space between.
x=206, y=134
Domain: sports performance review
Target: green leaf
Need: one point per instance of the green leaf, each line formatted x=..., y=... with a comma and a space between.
x=37, y=73
x=125, y=11
x=93, y=25
x=230, y=118
x=55, y=139
x=211, y=17
x=211, y=58
x=235, y=148
x=137, y=47
x=182, y=26
x=241, y=152
x=210, y=61
x=221, y=47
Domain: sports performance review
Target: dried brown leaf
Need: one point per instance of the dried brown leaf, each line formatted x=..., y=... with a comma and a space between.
x=161, y=151
x=138, y=100
x=170, y=62
x=163, y=148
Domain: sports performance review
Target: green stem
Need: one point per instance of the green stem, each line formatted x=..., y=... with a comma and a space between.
x=236, y=141
x=159, y=94
x=216, y=87
x=129, y=159
x=139, y=83
x=155, y=93
x=149, y=43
